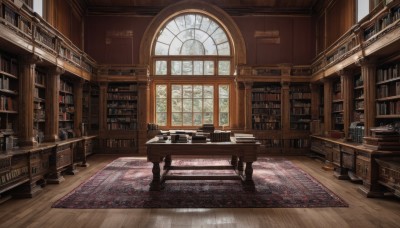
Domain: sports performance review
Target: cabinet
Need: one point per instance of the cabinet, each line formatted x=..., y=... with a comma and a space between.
x=66, y=110
x=8, y=100
x=39, y=105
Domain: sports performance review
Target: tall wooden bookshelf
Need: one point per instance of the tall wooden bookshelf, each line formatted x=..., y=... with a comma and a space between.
x=266, y=116
x=8, y=100
x=90, y=110
x=337, y=105
x=39, y=105
x=300, y=107
x=388, y=94
x=122, y=118
x=66, y=110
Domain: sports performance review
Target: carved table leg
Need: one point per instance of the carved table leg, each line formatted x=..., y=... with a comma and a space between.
x=248, y=179
x=155, y=184
x=234, y=161
x=167, y=162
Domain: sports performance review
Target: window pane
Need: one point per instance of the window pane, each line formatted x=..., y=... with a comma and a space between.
x=208, y=67
x=212, y=28
x=38, y=7
x=208, y=105
x=186, y=35
x=161, y=118
x=205, y=24
x=197, y=91
x=161, y=49
x=187, y=68
x=362, y=9
x=208, y=92
x=187, y=91
x=208, y=118
x=176, y=105
x=180, y=22
x=176, y=91
x=187, y=105
x=199, y=18
x=219, y=36
x=173, y=27
x=197, y=119
x=190, y=20
x=161, y=67
x=210, y=47
x=187, y=119
x=166, y=36
x=224, y=49
x=223, y=119
x=161, y=91
x=197, y=105
x=176, y=119
x=176, y=67
x=224, y=67
x=192, y=47
x=198, y=68
x=200, y=36
x=175, y=48
x=161, y=105
x=223, y=91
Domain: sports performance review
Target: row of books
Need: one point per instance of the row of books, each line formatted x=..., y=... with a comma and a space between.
x=382, y=23
x=220, y=136
x=5, y=83
x=66, y=99
x=388, y=90
x=9, y=65
x=129, y=88
x=65, y=87
x=388, y=108
x=388, y=73
x=121, y=125
x=120, y=143
x=118, y=96
x=300, y=126
x=266, y=126
x=268, y=89
x=121, y=112
x=266, y=105
x=297, y=95
x=301, y=104
x=7, y=103
x=266, y=118
x=337, y=107
x=266, y=97
x=275, y=112
x=356, y=132
x=300, y=111
x=121, y=104
x=39, y=78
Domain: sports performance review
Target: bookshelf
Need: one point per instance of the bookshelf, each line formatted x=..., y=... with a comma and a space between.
x=66, y=110
x=39, y=105
x=300, y=107
x=122, y=106
x=8, y=100
x=266, y=106
x=90, y=111
x=337, y=105
x=388, y=95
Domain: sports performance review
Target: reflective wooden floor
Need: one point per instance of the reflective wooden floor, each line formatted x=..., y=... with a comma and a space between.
x=363, y=212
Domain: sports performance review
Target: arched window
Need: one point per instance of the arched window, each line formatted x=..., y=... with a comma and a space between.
x=188, y=46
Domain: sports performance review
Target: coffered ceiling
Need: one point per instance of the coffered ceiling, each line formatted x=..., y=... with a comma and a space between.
x=233, y=7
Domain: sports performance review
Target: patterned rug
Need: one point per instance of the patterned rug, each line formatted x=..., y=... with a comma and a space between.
x=124, y=183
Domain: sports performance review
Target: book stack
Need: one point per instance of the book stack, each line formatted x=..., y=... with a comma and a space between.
x=199, y=139
x=244, y=138
x=383, y=138
x=220, y=136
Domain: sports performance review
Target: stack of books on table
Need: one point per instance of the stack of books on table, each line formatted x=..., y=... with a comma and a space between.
x=383, y=138
x=244, y=138
x=199, y=139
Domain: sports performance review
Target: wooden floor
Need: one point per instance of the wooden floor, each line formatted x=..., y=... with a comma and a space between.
x=363, y=212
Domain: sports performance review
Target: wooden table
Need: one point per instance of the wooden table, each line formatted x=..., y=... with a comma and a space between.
x=239, y=153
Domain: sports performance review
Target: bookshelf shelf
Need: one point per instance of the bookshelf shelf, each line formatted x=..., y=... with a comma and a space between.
x=266, y=106
x=300, y=106
x=66, y=109
x=39, y=104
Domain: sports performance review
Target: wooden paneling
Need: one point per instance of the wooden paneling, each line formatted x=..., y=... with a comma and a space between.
x=339, y=19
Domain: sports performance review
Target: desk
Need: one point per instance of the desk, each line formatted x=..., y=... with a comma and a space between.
x=240, y=153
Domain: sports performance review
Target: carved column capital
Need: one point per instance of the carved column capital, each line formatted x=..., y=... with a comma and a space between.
x=365, y=61
x=30, y=59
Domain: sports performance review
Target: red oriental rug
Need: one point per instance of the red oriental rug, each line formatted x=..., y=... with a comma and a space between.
x=124, y=183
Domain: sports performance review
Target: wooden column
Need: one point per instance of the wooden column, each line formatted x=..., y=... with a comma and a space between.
x=347, y=96
x=327, y=106
x=142, y=117
x=248, y=87
x=315, y=101
x=52, y=104
x=368, y=72
x=26, y=88
x=78, y=96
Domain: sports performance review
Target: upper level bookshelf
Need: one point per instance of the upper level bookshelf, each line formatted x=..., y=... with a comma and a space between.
x=39, y=104
x=66, y=110
x=300, y=106
x=122, y=106
x=358, y=113
x=266, y=106
x=337, y=105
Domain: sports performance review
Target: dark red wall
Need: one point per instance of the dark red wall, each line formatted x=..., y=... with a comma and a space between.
x=296, y=46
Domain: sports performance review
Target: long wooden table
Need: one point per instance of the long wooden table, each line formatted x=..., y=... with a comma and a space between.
x=239, y=153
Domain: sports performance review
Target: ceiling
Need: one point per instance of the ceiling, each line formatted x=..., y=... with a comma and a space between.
x=232, y=7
